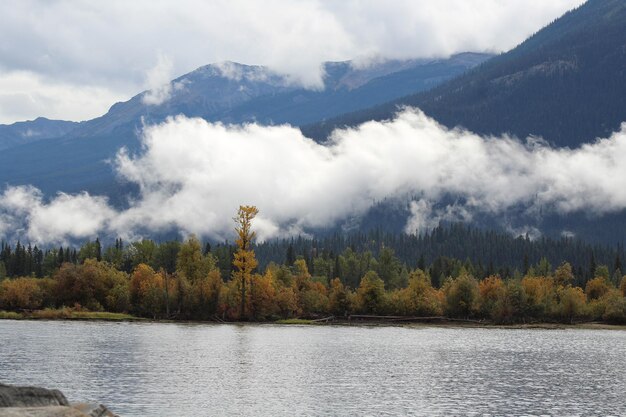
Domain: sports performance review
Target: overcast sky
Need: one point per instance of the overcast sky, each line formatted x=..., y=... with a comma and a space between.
x=73, y=59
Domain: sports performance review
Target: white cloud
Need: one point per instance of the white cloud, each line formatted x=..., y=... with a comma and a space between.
x=158, y=82
x=77, y=216
x=109, y=46
x=25, y=214
x=26, y=95
x=193, y=175
x=424, y=216
x=530, y=232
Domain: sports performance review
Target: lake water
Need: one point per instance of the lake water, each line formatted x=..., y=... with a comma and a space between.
x=187, y=370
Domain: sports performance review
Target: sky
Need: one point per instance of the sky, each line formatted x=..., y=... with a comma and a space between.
x=72, y=60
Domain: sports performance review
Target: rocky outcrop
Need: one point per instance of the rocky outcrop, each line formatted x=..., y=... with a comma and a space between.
x=11, y=396
x=42, y=402
x=93, y=410
x=52, y=411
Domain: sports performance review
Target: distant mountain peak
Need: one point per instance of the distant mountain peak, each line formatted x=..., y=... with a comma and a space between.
x=235, y=71
x=21, y=133
x=227, y=92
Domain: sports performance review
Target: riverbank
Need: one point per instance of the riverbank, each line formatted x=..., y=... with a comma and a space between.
x=67, y=314
x=458, y=323
x=72, y=315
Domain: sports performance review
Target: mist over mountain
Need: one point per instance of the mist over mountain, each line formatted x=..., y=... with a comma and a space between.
x=228, y=92
x=191, y=175
x=399, y=171
x=566, y=83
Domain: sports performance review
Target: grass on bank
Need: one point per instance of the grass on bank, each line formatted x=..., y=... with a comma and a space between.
x=294, y=321
x=10, y=315
x=71, y=314
x=66, y=314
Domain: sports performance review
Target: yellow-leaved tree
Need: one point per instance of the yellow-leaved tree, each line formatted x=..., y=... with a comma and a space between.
x=244, y=260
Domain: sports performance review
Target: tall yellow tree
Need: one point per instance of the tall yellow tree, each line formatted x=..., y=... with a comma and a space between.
x=244, y=260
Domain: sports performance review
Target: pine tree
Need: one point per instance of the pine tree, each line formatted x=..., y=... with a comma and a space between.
x=421, y=263
x=592, y=266
x=98, y=250
x=290, y=256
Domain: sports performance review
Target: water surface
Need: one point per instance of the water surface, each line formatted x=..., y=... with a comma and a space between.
x=185, y=370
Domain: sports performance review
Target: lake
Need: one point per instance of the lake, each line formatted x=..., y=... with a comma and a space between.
x=189, y=370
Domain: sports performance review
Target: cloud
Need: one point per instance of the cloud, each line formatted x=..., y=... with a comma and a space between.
x=111, y=45
x=232, y=71
x=27, y=95
x=158, y=82
x=425, y=216
x=66, y=217
x=193, y=175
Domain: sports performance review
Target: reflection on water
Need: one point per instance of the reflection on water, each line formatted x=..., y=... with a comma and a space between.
x=183, y=370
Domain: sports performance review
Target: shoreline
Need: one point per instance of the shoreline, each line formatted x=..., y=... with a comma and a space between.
x=443, y=323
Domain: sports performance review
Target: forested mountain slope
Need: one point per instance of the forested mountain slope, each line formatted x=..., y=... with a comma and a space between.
x=566, y=83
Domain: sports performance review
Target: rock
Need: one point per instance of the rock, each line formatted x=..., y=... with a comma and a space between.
x=51, y=411
x=41, y=402
x=93, y=410
x=11, y=396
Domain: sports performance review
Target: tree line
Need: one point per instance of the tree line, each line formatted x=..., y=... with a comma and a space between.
x=441, y=250
x=190, y=280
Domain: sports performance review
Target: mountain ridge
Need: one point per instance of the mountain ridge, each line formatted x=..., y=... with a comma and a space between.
x=565, y=83
x=41, y=128
x=77, y=160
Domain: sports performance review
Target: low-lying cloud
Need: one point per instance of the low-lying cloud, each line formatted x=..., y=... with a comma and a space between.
x=158, y=82
x=193, y=175
x=24, y=214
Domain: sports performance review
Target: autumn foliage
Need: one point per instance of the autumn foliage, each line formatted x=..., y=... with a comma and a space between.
x=186, y=281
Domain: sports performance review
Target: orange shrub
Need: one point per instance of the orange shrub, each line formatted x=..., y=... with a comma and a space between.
x=490, y=289
x=597, y=287
x=20, y=293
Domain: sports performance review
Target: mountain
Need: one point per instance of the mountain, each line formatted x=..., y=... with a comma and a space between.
x=226, y=92
x=235, y=93
x=21, y=133
x=566, y=83
x=350, y=88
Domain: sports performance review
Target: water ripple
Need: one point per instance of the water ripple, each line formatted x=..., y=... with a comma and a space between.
x=182, y=370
